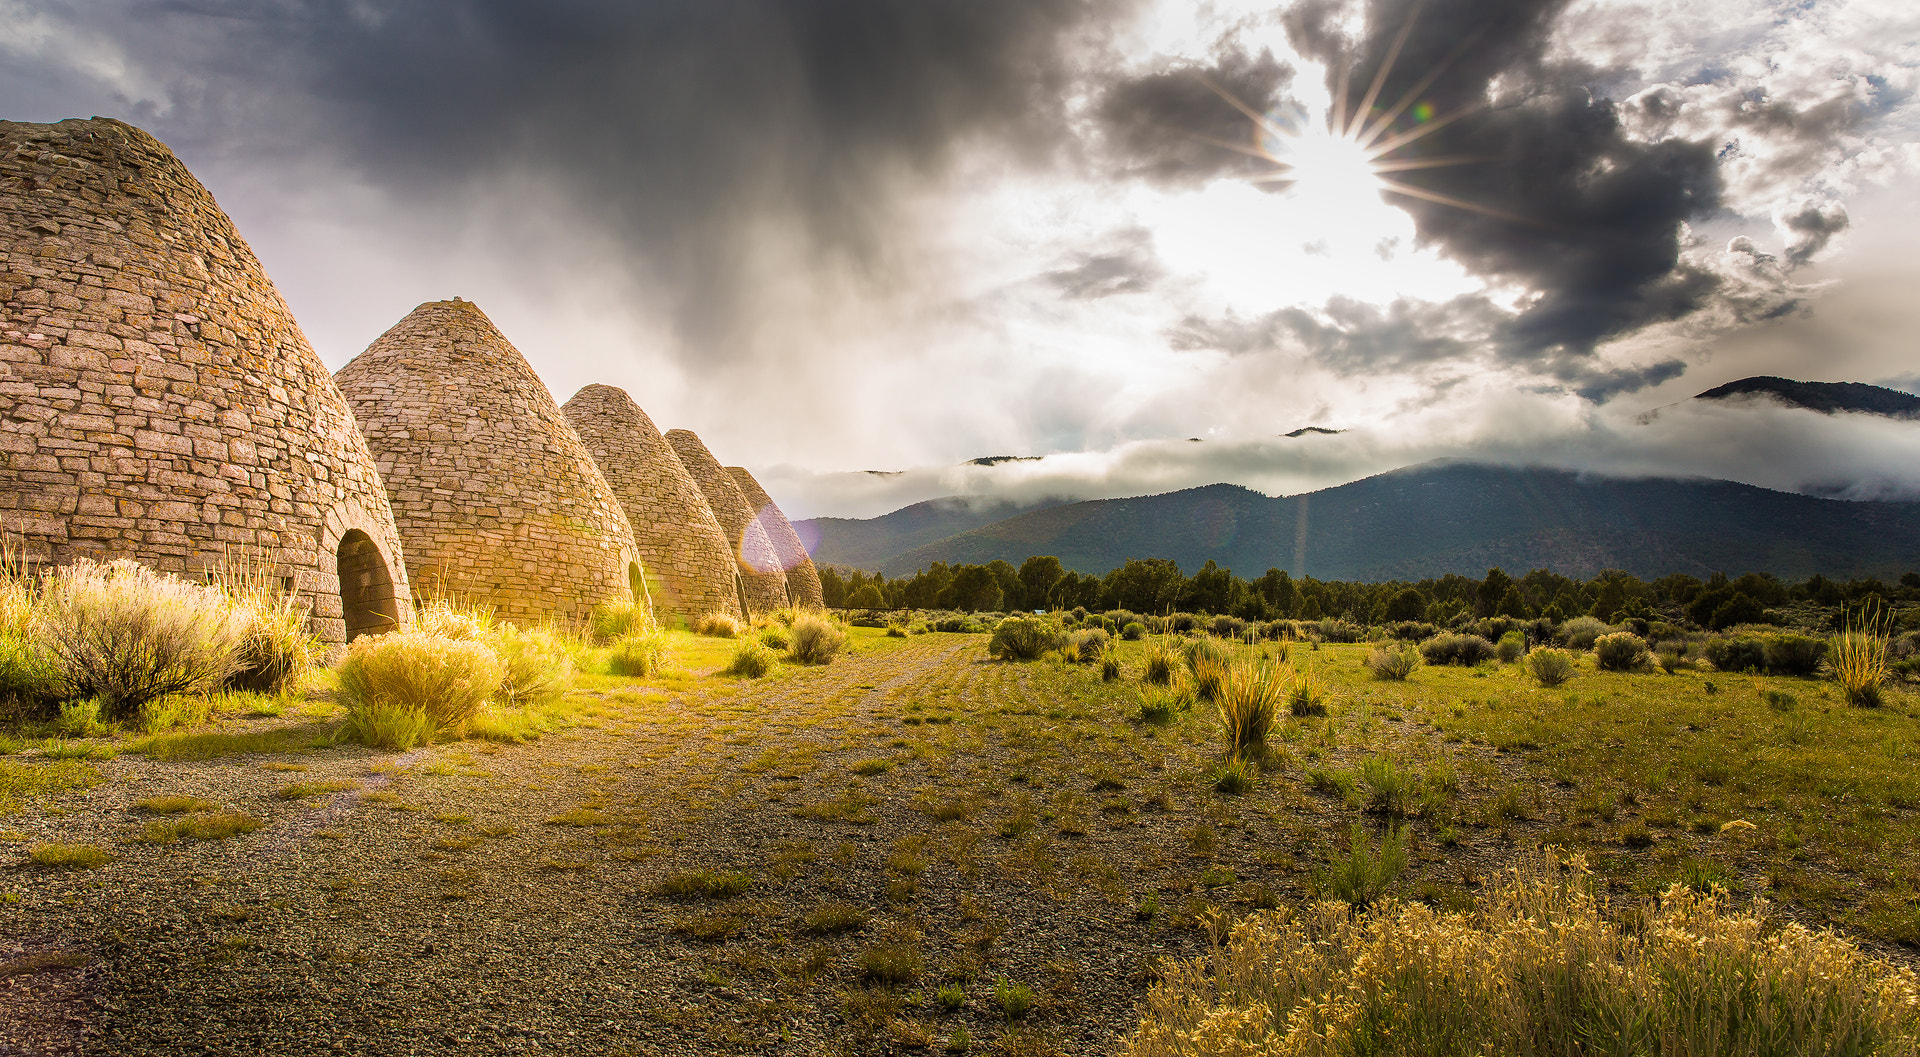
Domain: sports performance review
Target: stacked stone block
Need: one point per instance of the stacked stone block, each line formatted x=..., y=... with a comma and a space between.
x=685, y=551
x=803, y=580
x=157, y=400
x=761, y=578
x=497, y=500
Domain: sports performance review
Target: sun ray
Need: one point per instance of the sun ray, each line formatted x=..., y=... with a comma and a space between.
x=1422, y=131
x=1338, y=117
x=1259, y=119
x=1407, y=99
x=1380, y=76
x=1241, y=148
x=1423, y=194
x=1407, y=164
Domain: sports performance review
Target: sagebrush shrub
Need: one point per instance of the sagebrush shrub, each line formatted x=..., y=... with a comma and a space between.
x=816, y=640
x=1087, y=645
x=1456, y=648
x=1511, y=647
x=1228, y=627
x=1622, y=651
x=537, y=669
x=1580, y=632
x=1794, y=654
x=1550, y=666
x=1393, y=663
x=1737, y=654
x=1133, y=631
x=1023, y=638
x=440, y=681
x=128, y=635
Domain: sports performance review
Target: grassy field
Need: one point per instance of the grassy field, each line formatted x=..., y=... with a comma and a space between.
x=915, y=846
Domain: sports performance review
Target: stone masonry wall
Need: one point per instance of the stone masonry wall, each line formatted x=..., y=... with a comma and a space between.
x=760, y=574
x=496, y=499
x=803, y=580
x=688, y=559
x=157, y=400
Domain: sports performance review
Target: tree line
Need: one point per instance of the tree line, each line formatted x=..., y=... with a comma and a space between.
x=1156, y=585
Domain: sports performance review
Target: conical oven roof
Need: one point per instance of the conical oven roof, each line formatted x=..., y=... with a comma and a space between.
x=497, y=500
x=761, y=576
x=803, y=580
x=157, y=400
x=686, y=553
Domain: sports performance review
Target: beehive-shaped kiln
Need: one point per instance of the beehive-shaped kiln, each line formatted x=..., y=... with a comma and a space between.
x=761, y=579
x=688, y=559
x=496, y=499
x=803, y=580
x=157, y=400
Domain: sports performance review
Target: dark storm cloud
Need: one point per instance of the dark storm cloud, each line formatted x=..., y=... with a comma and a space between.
x=1171, y=126
x=683, y=127
x=1566, y=202
x=1810, y=226
x=1350, y=336
x=1128, y=266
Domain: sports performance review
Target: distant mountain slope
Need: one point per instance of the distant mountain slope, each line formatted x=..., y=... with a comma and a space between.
x=1824, y=397
x=866, y=543
x=1450, y=516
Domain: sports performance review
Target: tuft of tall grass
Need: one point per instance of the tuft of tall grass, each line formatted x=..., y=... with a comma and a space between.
x=1857, y=656
x=1550, y=666
x=1110, y=665
x=1393, y=663
x=1159, y=660
x=617, y=618
x=277, y=648
x=1248, y=694
x=816, y=639
x=638, y=655
x=128, y=635
x=450, y=620
x=718, y=626
x=1538, y=965
x=1367, y=871
x=1307, y=695
x=750, y=660
x=402, y=688
x=536, y=669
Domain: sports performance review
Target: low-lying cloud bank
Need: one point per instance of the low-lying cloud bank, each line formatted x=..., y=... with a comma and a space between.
x=1772, y=447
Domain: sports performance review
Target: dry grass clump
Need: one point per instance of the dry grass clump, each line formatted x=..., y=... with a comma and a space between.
x=1307, y=695
x=1551, y=667
x=1622, y=651
x=69, y=856
x=638, y=655
x=1207, y=663
x=1537, y=966
x=277, y=648
x=402, y=689
x=1457, y=648
x=815, y=639
x=1857, y=657
x=1159, y=662
x=450, y=620
x=719, y=626
x=617, y=618
x=1393, y=663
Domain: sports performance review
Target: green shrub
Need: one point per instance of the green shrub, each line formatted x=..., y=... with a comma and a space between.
x=1539, y=965
x=1622, y=651
x=31, y=681
x=1228, y=627
x=537, y=668
x=128, y=635
x=1511, y=647
x=1794, y=654
x=1023, y=638
x=750, y=660
x=1456, y=648
x=1552, y=667
x=1580, y=632
x=404, y=687
x=1737, y=654
x=1393, y=663
x=1134, y=631
x=816, y=639
x=1367, y=871
x=638, y=655
x=1249, y=696
x=1015, y=1000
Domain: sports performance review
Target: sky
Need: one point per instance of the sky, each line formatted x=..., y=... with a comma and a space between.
x=1141, y=239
